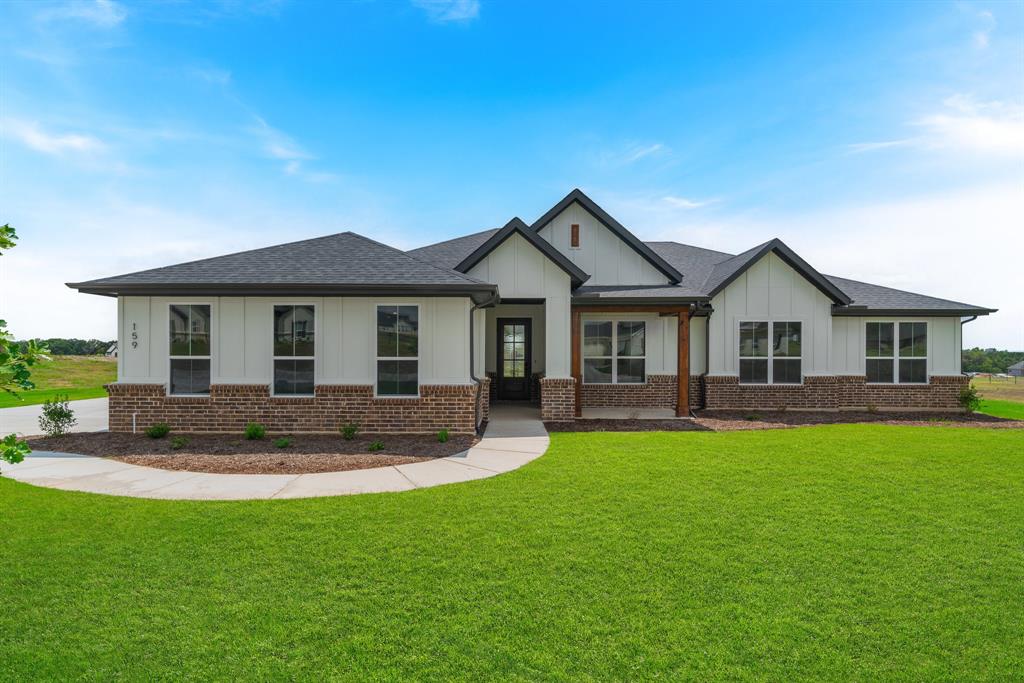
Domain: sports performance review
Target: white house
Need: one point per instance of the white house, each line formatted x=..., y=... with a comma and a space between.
x=572, y=311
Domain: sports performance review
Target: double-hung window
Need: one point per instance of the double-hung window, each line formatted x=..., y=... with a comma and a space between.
x=190, y=349
x=614, y=352
x=294, y=350
x=770, y=352
x=889, y=362
x=398, y=348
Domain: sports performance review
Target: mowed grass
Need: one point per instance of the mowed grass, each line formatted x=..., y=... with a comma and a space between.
x=840, y=552
x=1001, y=397
x=77, y=376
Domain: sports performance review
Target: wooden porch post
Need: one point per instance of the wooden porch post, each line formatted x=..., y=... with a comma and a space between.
x=576, y=363
x=683, y=364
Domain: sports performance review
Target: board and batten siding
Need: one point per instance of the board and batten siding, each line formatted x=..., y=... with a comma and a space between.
x=522, y=272
x=848, y=343
x=771, y=290
x=346, y=329
x=662, y=354
x=602, y=254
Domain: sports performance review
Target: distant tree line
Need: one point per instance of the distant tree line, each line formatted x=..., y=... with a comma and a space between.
x=989, y=360
x=72, y=347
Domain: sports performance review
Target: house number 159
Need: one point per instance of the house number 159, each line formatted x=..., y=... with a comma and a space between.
x=135, y=336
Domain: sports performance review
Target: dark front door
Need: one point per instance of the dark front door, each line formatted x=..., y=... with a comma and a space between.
x=514, y=359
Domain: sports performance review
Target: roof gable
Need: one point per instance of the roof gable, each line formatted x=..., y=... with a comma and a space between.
x=725, y=272
x=517, y=226
x=602, y=216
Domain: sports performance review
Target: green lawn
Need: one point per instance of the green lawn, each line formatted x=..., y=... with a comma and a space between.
x=1001, y=397
x=840, y=552
x=77, y=376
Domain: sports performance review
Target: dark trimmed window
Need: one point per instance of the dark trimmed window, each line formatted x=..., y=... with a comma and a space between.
x=294, y=350
x=190, y=345
x=398, y=349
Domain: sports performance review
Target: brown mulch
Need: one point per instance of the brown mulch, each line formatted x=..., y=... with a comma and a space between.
x=231, y=454
x=731, y=421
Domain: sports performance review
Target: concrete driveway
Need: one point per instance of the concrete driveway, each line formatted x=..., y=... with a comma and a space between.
x=24, y=420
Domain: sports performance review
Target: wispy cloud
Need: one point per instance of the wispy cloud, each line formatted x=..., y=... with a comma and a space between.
x=211, y=75
x=32, y=135
x=101, y=13
x=639, y=152
x=684, y=203
x=981, y=35
x=278, y=145
x=449, y=11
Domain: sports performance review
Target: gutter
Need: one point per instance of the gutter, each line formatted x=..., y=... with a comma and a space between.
x=472, y=358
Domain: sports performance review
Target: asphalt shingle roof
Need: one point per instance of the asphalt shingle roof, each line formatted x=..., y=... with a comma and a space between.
x=451, y=253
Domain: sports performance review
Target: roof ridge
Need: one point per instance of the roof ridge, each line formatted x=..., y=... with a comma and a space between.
x=447, y=271
x=454, y=239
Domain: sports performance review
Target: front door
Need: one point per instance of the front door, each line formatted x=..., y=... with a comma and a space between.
x=514, y=359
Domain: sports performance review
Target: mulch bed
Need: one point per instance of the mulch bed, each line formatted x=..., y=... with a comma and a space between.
x=731, y=421
x=231, y=454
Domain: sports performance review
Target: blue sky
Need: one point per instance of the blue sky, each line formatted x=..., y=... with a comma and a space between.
x=884, y=142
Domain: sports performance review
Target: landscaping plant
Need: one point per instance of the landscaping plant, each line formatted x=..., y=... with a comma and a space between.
x=254, y=431
x=179, y=442
x=376, y=445
x=57, y=418
x=349, y=431
x=969, y=399
x=158, y=430
x=442, y=436
x=15, y=361
x=283, y=442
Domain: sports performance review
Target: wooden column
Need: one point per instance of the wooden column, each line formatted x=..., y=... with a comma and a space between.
x=683, y=364
x=576, y=362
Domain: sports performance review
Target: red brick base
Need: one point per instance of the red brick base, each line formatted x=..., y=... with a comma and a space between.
x=835, y=392
x=557, y=399
x=658, y=392
x=231, y=406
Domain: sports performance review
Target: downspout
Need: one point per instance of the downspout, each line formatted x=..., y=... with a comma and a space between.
x=707, y=355
x=964, y=321
x=472, y=359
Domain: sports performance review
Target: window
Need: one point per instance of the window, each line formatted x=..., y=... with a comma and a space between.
x=398, y=366
x=574, y=236
x=614, y=352
x=770, y=353
x=887, y=362
x=190, y=349
x=294, y=349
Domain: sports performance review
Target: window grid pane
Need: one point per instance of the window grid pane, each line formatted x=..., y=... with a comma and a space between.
x=397, y=350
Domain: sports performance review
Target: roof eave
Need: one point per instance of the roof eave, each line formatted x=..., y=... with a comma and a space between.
x=794, y=261
x=475, y=290
x=867, y=312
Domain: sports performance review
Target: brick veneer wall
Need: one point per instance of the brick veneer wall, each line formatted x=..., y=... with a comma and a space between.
x=658, y=392
x=484, y=398
x=557, y=399
x=834, y=392
x=230, y=407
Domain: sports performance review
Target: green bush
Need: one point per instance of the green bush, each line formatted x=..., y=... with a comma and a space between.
x=442, y=436
x=254, y=431
x=969, y=399
x=158, y=431
x=178, y=442
x=752, y=417
x=57, y=418
x=349, y=431
x=283, y=442
x=376, y=445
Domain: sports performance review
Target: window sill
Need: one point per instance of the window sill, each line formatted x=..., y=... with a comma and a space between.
x=187, y=395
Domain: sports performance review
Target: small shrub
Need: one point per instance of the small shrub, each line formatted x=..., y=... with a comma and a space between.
x=57, y=418
x=158, y=431
x=178, y=442
x=376, y=445
x=872, y=408
x=254, y=431
x=442, y=436
x=349, y=431
x=283, y=442
x=752, y=417
x=969, y=399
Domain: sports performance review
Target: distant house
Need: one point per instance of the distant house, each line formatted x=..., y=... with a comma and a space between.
x=112, y=350
x=573, y=309
x=1017, y=369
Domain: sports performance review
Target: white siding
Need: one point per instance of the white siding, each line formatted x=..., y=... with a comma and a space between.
x=771, y=290
x=944, y=343
x=345, y=338
x=662, y=333
x=602, y=254
x=522, y=272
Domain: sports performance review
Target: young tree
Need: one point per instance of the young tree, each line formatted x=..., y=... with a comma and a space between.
x=14, y=365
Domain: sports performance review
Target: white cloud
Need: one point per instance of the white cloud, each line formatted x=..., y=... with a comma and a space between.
x=278, y=145
x=101, y=13
x=449, y=11
x=639, y=152
x=980, y=37
x=33, y=136
x=684, y=203
x=212, y=75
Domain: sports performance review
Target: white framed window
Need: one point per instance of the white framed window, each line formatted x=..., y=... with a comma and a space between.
x=294, y=349
x=896, y=352
x=190, y=349
x=614, y=352
x=398, y=348
x=771, y=352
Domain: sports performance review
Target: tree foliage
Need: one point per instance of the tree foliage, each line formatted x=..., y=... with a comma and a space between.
x=989, y=360
x=71, y=347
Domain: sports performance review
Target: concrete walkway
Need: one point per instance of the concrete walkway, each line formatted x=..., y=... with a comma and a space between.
x=515, y=436
x=24, y=420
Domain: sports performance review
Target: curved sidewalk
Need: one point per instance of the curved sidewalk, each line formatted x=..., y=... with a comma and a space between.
x=514, y=437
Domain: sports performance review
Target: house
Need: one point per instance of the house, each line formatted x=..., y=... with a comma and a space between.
x=573, y=311
x=111, y=351
x=1016, y=370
